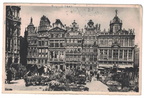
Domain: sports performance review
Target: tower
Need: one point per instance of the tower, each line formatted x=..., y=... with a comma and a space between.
x=115, y=24
x=32, y=43
x=13, y=23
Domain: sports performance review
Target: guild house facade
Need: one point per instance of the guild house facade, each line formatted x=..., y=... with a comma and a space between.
x=116, y=46
x=58, y=46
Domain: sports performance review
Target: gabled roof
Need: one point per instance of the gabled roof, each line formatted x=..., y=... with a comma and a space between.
x=58, y=21
x=57, y=29
x=44, y=18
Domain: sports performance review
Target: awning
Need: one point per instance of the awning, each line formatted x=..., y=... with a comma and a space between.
x=105, y=65
x=125, y=66
x=111, y=65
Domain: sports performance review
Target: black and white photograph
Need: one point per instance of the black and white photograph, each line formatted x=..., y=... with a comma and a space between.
x=72, y=48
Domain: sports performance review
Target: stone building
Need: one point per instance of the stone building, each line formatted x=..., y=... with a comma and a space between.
x=73, y=47
x=116, y=46
x=31, y=39
x=136, y=56
x=56, y=47
x=43, y=42
x=89, y=46
x=12, y=46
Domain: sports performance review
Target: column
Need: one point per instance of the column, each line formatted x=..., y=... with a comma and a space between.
x=103, y=54
x=118, y=53
x=132, y=55
x=124, y=42
x=107, y=54
x=54, y=42
x=18, y=60
x=123, y=54
x=112, y=54
x=127, y=55
x=128, y=41
x=13, y=58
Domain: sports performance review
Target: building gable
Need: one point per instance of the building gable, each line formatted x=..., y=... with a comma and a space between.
x=57, y=29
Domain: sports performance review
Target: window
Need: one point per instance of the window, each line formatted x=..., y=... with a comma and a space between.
x=39, y=43
x=126, y=42
x=102, y=42
x=125, y=54
x=101, y=54
x=62, y=35
x=83, y=58
x=121, y=42
x=56, y=35
x=130, y=54
x=91, y=58
x=79, y=41
x=110, y=53
x=45, y=61
x=105, y=54
x=51, y=54
x=115, y=54
x=130, y=42
x=95, y=59
x=51, y=35
x=121, y=54
x=61, y=45
x=56, y=44
x=51, y=44
x=78, y=49
x=73, y=40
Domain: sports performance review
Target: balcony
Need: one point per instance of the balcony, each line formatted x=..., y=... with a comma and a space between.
x=56, y=60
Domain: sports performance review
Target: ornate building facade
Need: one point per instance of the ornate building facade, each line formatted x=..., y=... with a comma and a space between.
x=13, y=22
x=73, y=47
x=42, y=39
x=31, y=39
x=58, y=47
x=116, y=46
x=89, y=46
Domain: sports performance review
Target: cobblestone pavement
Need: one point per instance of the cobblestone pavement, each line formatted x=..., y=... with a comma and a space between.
x=19, y=85
x=97, y=86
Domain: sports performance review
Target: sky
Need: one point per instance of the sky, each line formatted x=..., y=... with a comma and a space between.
x=130, y=15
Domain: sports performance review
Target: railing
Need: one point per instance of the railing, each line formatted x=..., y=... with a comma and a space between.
x=56, y=60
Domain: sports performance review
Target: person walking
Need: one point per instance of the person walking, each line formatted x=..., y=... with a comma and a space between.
x=9, y=76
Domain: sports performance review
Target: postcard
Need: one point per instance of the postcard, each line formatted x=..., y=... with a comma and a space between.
x=72, y=49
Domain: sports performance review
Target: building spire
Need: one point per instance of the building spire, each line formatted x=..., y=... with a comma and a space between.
x=116, y=11
x=31, y=20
